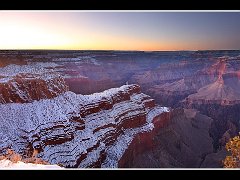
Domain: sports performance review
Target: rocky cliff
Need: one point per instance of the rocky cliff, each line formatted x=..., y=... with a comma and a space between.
x=204, y=80
x=26, y=83
x=220, y=100
x=79, y=130
x=180, y=139
x=27, y=88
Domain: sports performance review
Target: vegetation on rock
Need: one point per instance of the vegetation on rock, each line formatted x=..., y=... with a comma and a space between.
x=233, y=160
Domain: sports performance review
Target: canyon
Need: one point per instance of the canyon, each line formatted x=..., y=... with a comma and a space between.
x=121, y=109
x=79, y=130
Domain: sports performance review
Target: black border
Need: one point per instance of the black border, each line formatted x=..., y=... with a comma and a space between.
x=119, y=5
x=119, y=174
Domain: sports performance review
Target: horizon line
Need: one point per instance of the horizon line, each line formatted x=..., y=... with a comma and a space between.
x=116, y=50
x=234, y=10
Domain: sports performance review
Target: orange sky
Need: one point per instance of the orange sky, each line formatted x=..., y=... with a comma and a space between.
x=118, y=31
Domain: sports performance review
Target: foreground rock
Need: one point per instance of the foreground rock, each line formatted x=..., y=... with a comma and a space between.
x=7, y=164
x=79, y=130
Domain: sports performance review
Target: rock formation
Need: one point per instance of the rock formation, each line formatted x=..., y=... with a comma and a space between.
x=33, y=90
x=180, y=139
x=79, y=130
x=27, y=88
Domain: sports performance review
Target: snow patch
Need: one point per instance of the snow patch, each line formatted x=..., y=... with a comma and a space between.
x=7, y=164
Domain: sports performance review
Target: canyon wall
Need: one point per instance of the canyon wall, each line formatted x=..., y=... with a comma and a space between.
x=26, y=88
x=79, y=130
x=207, y=81
x=179, y=139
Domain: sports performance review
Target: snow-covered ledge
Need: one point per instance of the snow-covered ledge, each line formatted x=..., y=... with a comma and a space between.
x=7, y=164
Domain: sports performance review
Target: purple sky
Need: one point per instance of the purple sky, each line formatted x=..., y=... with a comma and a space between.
x=120, y=30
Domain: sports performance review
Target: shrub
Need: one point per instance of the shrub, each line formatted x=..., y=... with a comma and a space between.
x=233, y=146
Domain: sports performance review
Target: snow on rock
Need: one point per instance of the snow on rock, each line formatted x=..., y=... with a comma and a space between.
x=79, y=130
x=26, y=83
x=7, y=164
x=32, y=68
x=79, y=60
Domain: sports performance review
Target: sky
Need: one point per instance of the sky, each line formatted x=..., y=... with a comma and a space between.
x=109, y=30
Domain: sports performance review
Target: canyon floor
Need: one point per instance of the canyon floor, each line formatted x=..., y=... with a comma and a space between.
x=120, y=109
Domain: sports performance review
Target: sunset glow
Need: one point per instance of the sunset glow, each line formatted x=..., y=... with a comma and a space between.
x=119, y=30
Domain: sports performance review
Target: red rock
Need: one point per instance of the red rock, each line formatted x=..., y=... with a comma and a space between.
x=22, y=89
x=83, y=139
x=144, y=141
x=175, y=141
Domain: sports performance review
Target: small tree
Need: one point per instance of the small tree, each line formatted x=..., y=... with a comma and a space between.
x=233, y=146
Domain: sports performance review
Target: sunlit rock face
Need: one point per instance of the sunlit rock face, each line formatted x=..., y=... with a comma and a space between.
x=79, y=130
x=220, y=99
